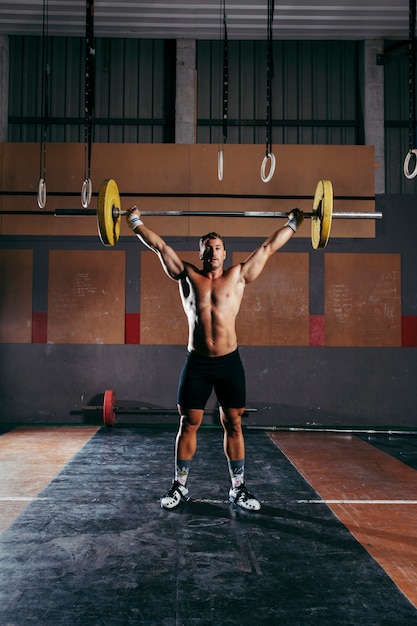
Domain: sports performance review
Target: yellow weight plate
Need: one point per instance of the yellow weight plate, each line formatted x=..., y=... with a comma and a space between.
x=108, y=225
x=321, y=220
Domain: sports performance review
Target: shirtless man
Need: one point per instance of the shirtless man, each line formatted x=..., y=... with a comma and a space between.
x=211, y=299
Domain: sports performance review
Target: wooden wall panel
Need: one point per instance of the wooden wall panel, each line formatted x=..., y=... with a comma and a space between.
x=298, y=168
x=275, y=307
x=86, y=297
x=363, y=300
x=162, y=318
x=186, y=169
x=16, y=271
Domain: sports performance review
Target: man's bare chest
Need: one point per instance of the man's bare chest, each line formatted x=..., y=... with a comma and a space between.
x=220, y=294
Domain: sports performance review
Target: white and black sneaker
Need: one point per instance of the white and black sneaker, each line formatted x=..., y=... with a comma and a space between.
x=243, y=498
x=178, y=493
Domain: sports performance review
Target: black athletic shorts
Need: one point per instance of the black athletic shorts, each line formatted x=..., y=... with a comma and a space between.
x=201, y=374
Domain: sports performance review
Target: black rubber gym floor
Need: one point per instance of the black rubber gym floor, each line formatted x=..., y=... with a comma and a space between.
x=95, y=548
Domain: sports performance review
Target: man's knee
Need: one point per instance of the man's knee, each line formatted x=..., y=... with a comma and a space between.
x=190, y=420
x=232, y=421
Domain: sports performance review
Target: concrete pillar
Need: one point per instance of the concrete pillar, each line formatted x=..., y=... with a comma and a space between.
x=4, y=87
x=373, y=93
x=185, y=96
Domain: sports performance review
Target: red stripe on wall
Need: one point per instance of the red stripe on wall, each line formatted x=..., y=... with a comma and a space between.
x=132, y=328
x=316, y=330
x=409, y=331
x=39, y=327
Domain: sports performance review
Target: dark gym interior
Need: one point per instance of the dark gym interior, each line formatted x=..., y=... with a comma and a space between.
x=182, y=104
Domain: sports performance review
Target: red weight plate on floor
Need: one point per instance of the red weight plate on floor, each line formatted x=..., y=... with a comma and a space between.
x=109, y=401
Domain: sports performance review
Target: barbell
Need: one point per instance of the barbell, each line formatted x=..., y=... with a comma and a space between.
x=109, y=213
x=110, y=409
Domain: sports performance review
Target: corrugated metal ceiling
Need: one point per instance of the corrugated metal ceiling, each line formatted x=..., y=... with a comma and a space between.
x=296, y=19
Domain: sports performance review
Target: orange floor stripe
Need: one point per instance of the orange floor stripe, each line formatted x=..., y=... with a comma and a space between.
x=373, y=494
x=30, y=457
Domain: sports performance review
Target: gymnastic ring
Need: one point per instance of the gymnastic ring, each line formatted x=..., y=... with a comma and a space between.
x=269, y=156
x=86, y=192
x=407, y=173
x=220, y=165
x=42, y=193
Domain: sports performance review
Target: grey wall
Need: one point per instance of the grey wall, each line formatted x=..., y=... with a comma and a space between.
x=303, y=387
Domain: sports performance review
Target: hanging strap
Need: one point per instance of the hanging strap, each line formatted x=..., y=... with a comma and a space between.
x=45, y=107
x=89, y=100
x=225, y=92
x=269, y=76
x=225, y=76
x=411, y=156
x=411, y=75
x=269, y=158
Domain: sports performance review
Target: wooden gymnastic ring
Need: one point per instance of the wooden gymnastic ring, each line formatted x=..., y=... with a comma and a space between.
x=270, y=156
x=220, y=165
x=42, y=193
x=321, y=219
x=108, y=209
x=86, y=193
x=407, y=173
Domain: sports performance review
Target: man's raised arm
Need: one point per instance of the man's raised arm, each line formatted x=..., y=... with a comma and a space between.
x=170, y=260
x=255, y=263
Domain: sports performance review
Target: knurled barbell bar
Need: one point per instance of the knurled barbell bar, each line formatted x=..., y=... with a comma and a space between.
x=109, y=213
x=110, y=408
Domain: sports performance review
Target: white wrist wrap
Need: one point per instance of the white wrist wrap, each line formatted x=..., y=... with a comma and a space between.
x=292, y=223
x=134, y=221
